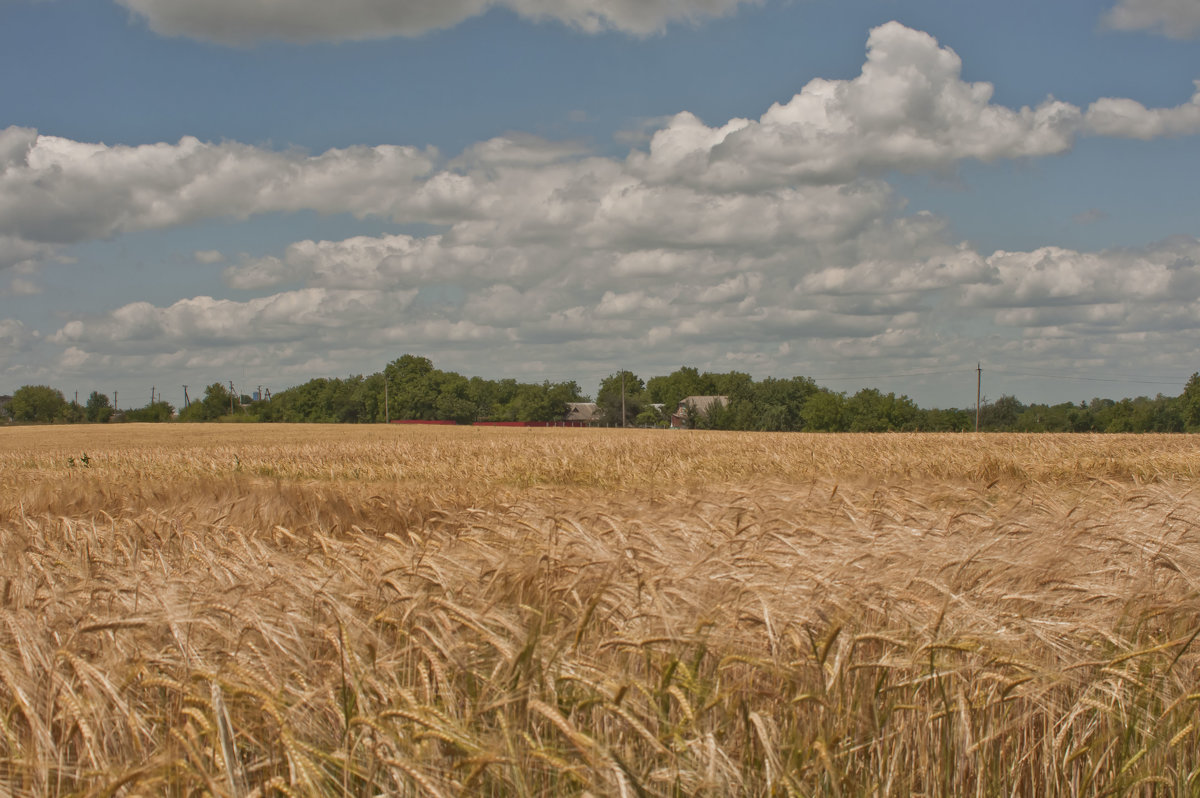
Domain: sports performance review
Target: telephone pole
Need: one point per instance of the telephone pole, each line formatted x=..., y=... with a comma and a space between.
x=978, y=389
x=622, y=398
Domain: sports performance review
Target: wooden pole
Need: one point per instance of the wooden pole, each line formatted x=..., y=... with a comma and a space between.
x=622, y=398
x=978, y=389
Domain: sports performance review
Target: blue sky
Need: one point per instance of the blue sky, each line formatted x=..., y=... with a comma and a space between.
x=869, y=193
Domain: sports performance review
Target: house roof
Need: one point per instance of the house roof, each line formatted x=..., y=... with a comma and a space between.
x=582, y=411
x=701, y=404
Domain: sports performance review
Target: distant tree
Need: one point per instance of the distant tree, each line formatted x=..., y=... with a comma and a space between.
x=677, y=386
x=72, y=413
x=952, y=420
x=98, y=409
x=651, y=417
x=213, y=406
x=545, y=402
x=869, y=410
x=610, y=394
x=1001, y=415
x=412, y=388
x=1189, y=404
x=779, y=403
x=1164, y=415
x=733, y=384
x=825, y=411
x=155, y=412
x=37, y=403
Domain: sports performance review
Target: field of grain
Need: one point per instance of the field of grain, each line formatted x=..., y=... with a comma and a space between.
x=284, y=610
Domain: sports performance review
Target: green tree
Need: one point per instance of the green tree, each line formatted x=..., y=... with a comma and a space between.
x=866, y=411
x=452, y=400
x=610, y=395
x=98, y=409
x=677, y=386
x=545, y=402
x=952, y=420
x=651, y=417
x=73, y=413
x=213, y=406
x=412, y=388
x=778, y=403
x=1001, y=415
x=1189, y=404
x=870, y=410
x=37, y=403
x=825, y=411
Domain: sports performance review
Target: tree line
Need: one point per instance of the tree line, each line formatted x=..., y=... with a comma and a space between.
x=411, y=388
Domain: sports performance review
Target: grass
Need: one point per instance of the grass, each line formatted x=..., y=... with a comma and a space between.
x=366, y=611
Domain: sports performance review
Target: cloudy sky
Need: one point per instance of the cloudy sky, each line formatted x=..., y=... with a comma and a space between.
x=869, y=192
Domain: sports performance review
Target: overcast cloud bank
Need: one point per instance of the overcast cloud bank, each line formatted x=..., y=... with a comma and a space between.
x=244, y=22
x=241, y=22
x=1179, y=19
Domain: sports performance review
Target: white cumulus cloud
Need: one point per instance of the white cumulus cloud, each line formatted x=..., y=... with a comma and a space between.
x=54, y=190
x=205, y=321
x=1125, y=118
x=908, y=110
x=814, y=162
x=1166, y=274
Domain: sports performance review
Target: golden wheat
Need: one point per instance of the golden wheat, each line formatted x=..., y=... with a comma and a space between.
x=377, y=610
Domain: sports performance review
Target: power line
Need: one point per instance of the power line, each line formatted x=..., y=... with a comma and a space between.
x=1034, y=371
x=885, y=376
x=1126, y=380
x=1129, y=379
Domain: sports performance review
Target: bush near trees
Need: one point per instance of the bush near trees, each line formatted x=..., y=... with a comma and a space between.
x=152, y=413
x=411, y=388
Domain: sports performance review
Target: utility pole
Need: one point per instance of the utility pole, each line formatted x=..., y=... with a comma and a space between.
x=232, y=393
x=152, y=387
x=978, y=389
x=622, y=398
x=115, y=405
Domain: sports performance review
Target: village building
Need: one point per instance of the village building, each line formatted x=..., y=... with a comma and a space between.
x=583, y=413
x=700, y=405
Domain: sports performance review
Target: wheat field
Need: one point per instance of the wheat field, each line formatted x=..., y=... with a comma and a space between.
x=235, y=610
